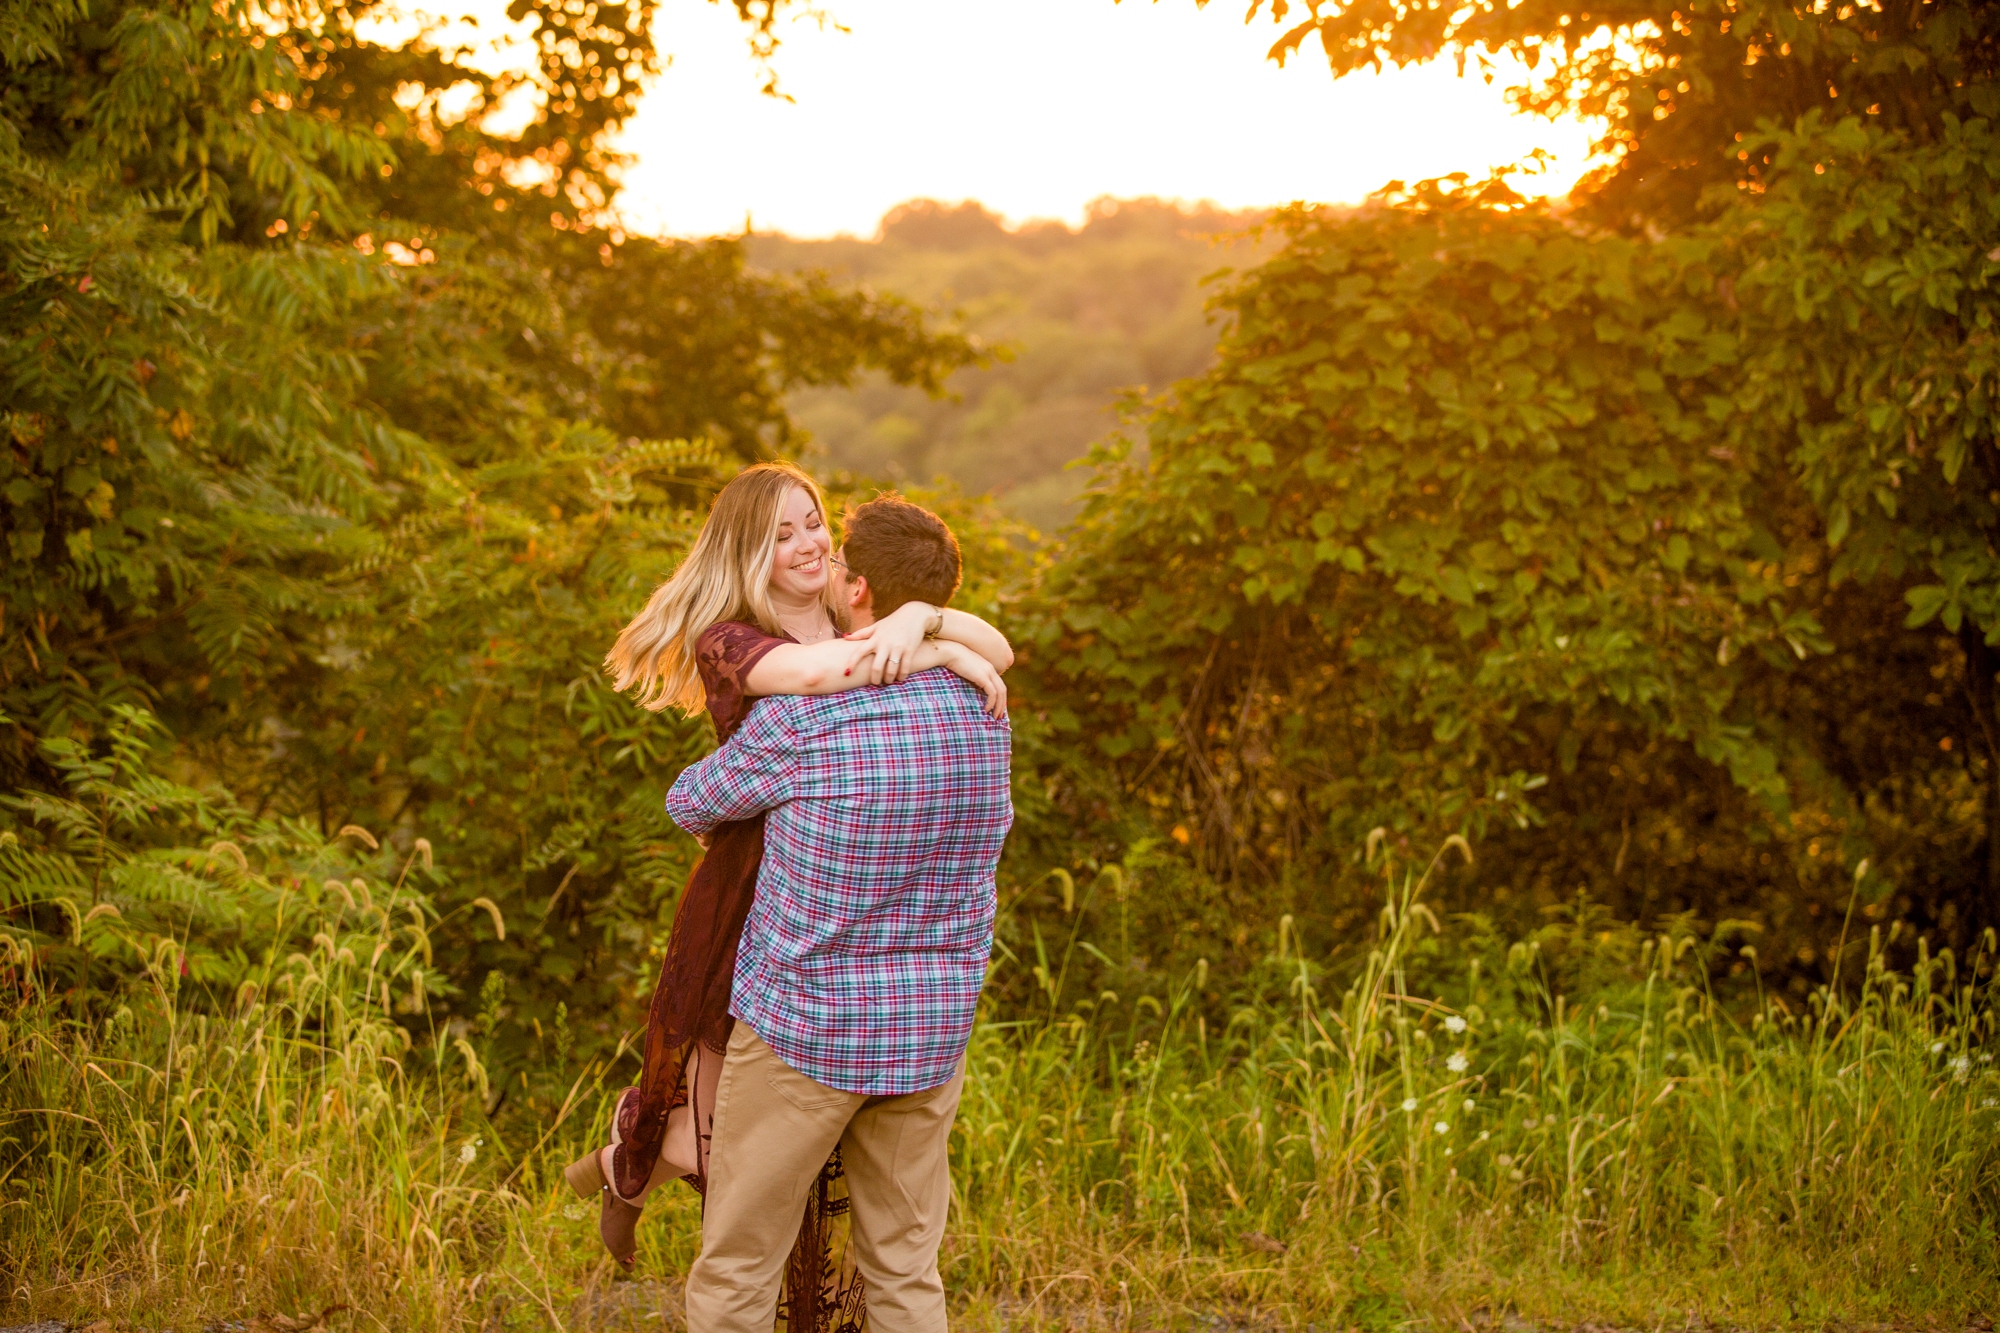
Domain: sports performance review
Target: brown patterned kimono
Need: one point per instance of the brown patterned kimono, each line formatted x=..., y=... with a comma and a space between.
x=691, y=1003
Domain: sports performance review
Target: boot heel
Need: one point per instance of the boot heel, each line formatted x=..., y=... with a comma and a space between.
x=585, y=1175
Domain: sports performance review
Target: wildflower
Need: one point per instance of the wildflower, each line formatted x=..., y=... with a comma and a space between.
x=575, y=1212
x=1471, y=1105
x=1483, y=1136
x=1456, y=1062
x=468, y=1151
x=1588, y=1191
x=1961, y=1065
x=1937, y=1048
x=1454, y=1024
x=1441, y=1127
x=1409, y=1104
x=1505, y=1159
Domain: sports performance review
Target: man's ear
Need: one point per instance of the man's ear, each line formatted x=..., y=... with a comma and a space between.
x=858, y=595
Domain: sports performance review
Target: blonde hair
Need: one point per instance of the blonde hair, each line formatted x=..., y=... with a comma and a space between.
x=726, y=576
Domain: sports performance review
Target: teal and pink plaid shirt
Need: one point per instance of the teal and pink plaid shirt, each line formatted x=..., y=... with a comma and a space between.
x=864, y=952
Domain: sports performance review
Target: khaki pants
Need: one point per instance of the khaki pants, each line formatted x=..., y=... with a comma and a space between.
x=774, y=1128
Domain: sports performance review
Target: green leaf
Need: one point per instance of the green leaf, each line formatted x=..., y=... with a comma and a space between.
x=1925, y=604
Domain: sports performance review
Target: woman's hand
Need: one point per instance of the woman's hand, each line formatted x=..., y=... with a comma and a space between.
x=895, y=639
x=970, y=666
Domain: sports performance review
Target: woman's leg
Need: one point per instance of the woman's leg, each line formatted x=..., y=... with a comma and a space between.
x=684, y=1148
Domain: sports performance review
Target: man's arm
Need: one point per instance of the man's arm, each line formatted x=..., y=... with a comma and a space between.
x=756, y=770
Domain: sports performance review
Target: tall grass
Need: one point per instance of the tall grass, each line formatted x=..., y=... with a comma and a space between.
x=1375, y=1152
x=1568, y=1127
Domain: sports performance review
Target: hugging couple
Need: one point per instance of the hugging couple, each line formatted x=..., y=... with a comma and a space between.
x=811, y=1019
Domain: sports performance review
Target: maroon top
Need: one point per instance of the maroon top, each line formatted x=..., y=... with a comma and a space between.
x=725, y=654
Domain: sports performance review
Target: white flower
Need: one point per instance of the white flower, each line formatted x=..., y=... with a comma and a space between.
x=1483, y=1136
x=1471, y=1105
x=1504, y=1159
x=576, y=1212
x=1456, y=1062
x=1409, y=1104
x=1960, y=1066
x=468, y=1151
x=1454, y=1024
x=1441, y=1127
x=1937, y=1047
x=1588, y=1191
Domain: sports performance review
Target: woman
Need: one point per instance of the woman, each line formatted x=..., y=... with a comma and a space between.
x=747, y=614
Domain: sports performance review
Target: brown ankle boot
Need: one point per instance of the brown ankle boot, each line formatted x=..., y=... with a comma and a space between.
x=617, y=1220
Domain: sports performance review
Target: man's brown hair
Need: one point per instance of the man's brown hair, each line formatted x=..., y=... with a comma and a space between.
x=906, y=553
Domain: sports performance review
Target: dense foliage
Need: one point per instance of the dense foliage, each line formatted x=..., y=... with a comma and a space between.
x=1658, y=555
x=340, y=442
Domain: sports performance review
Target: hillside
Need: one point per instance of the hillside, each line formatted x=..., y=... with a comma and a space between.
x=1081, y=315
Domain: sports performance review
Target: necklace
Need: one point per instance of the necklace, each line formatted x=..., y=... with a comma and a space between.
x=822, y=631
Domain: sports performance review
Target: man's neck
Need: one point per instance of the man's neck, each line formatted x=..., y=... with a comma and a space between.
x=860, y=617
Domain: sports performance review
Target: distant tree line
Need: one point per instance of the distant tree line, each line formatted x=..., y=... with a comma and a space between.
x=1079, y=318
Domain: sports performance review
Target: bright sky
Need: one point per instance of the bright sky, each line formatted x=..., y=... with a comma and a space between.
x=1034, y=108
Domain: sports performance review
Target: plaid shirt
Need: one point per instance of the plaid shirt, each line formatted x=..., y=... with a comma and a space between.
x=864, y=952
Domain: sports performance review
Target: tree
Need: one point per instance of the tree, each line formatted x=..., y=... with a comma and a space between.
x=1679, y=83
x=1455, y=463
x=1628, y=495
x=348, y=474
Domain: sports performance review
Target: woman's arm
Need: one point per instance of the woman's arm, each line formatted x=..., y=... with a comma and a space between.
x=840, y=664
x=903, y=629
x=968, y=629
x=810, y=668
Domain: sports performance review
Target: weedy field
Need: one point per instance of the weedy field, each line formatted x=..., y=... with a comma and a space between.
x=1430, y=1136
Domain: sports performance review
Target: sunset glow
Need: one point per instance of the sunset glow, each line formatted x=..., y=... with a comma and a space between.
x=1034, y=108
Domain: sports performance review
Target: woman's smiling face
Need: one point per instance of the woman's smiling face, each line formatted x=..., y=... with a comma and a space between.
x=799, y=571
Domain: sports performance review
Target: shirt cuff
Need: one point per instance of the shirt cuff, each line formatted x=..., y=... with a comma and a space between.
x=686, y=815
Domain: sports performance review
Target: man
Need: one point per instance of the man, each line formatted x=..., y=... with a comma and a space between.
x=862, y=958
